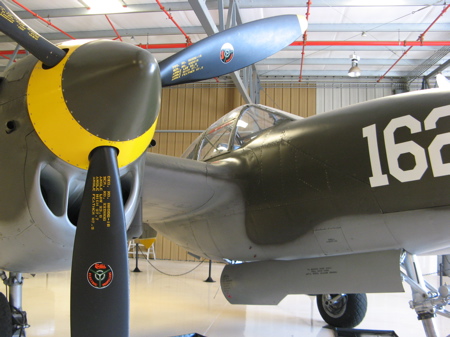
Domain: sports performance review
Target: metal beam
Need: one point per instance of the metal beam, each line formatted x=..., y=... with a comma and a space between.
x=444, y=27
x=205, y=18
x=221, y=15
x=372, y=27
x=438, y=70
x=312, y=48
x=110, y=33
x=212, y=4
x=208, y=24
x=13, y=57
x=231, y=17
x=236, y=77
x=248, y=83
x=255, y=85
x=428, y=64
x=335, y=61
x=323, y=73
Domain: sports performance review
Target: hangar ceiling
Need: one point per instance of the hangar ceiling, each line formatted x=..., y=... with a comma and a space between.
x=396, y=40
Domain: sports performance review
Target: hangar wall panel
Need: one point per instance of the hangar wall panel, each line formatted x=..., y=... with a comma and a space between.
x=299, y=100
x=185, y=109
x=335, y=96
x=195, y=107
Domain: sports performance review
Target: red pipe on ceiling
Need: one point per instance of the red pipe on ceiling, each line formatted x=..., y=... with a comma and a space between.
x=188, y=39
x=324, y=43
x=10, y=52
x=114, y=28
x=419, y=39
x=305, y=38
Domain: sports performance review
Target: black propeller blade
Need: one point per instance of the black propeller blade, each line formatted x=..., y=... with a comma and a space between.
x=99, y=289
x=232, y=49
x=16, y=29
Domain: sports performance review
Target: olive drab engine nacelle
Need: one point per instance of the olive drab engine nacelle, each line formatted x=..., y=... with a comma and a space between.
x=52, y=118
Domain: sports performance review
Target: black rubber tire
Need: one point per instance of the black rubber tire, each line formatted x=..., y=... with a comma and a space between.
x=5, y=317
x=347, y=314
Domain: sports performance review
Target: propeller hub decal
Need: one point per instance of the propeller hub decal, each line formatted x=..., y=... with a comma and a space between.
x=226, y=53
x=100, y=275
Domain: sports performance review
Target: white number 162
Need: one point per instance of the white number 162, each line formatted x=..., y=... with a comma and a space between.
x=394, y=150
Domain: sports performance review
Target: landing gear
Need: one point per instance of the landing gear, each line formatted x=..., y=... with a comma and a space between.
x=427, y=301
x=13, y=320
x=342, y=310
x=5, y=317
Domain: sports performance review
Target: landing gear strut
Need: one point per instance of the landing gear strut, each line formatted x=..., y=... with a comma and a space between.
x=426, y=300
x=16, y=324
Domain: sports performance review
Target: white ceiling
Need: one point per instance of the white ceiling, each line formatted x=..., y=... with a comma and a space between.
x=330, y=22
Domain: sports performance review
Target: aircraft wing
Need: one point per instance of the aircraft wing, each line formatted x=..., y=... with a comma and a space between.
x=177, y=187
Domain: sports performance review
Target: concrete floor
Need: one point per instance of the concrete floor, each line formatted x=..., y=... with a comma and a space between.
x=163, y=306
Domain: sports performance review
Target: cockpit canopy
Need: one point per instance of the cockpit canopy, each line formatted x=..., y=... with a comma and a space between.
x=235, y=130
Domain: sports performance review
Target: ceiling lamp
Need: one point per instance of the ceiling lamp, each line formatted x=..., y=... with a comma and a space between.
x=354, y=70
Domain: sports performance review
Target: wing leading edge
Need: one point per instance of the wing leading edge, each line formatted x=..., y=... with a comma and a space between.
x=182, y=198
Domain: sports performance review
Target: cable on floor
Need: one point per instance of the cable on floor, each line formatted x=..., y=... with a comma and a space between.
x=167, y=274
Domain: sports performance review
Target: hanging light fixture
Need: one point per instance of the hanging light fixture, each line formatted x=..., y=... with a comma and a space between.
x=354, y=70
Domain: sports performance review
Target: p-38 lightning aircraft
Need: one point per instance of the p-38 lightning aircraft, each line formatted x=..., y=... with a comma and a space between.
x=341, y=202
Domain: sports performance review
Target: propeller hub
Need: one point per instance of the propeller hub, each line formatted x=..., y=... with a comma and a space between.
x=103, y=93
x=109, y=88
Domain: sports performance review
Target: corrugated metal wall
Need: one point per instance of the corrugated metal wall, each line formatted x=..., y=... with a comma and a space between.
x=335, y=96
x=190, y=108
x=299, y=100
x=195, y=107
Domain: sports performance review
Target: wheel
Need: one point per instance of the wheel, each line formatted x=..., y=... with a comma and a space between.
x=342, y=310
x=5, y=317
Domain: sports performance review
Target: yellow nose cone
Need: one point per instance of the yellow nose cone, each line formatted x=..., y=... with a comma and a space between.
x=90, y=100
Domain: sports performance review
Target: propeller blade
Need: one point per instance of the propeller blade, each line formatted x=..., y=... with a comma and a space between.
x=99, y=281
x=20, y=32
x=232, y=49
